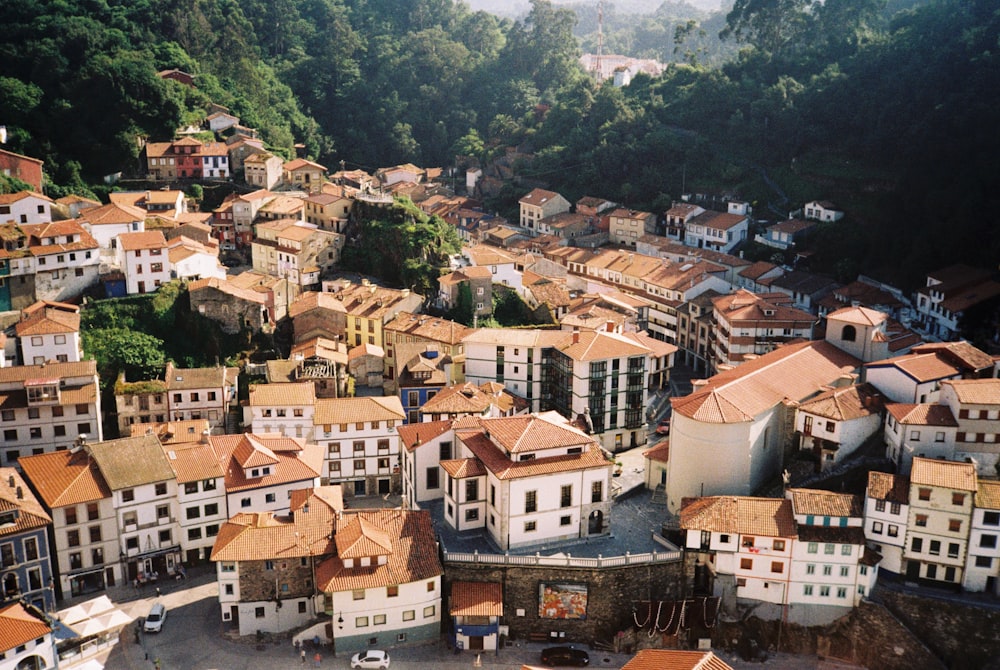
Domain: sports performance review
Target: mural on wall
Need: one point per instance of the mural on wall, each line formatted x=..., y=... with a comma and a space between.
x=562, y=601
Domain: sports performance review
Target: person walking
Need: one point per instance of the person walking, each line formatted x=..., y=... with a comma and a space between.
x=302, y=656
x=317, y=658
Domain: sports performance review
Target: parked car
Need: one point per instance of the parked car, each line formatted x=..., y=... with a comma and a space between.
x=372, y=659
x=154, y=620
x=565, y=656
x=663, y=428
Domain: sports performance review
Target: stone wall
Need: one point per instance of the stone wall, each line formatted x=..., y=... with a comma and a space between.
x=611, y=595
x=259, y=583
x=963, y=635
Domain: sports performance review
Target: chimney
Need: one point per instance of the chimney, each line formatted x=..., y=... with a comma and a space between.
x=610, y=326
x=576, y=335
x=10, y=481
x=20, y=493
x=205, y=434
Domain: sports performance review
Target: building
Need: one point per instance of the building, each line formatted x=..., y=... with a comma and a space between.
x=233, y=307
x=143, y=259
x=443, y=334
x=25, y=638
x=318, y=314
x=267, y=563
x=84, y=540
x=302, y=174
x=201, y=491
x=785, y=235
x=455, y=402
x=822, y=210
x=538, y=205
x=527, y=480
x=64, y=261
x=422, y=448
x=512, y=358
x=942, y=497
x=296, y=251
x=477, y=281
x=107, y=222
x=887, y=510
x=384, y=585
x=263, y=170
x=45, y=407
x=187, y=158
x=475, y=609
x=835, y=423
x=750, y=325
x=25, y=556
x=369, y=307
x=328, y=211
x=423, y=372
x=191, y=260
x=949, y=293
x=927, y=430
x=49, y=331
x=25, y=168
x=143, y=489
x=25, y=207
x=659, y=659
x=360, y=442
x=982, y=570
x=627, y=226
x=718, y=231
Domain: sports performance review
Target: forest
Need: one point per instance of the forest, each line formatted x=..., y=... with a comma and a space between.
x=887, y=107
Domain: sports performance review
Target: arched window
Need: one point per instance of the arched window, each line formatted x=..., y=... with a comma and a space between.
x=849, y=334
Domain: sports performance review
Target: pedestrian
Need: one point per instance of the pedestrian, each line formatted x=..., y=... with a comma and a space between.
x=317, y=658
x=302, y=656
x=157, y=591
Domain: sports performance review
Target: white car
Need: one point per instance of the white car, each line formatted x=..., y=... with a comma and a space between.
x=154, y=620
x=371, y=660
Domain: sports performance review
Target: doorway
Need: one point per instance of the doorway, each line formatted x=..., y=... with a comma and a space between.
x=596, y=522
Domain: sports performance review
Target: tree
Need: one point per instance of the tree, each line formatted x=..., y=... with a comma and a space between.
x=118, y=350
x=769, y=25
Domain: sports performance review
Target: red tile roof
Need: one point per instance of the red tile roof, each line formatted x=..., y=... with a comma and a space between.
x=946, y=474
x=18, y=626
x=739, y=514
x=673, y=659
x=885, y=486
x=476, y=599
x=65, y=478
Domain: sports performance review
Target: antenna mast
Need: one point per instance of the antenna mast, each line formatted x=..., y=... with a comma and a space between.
x=600, y=39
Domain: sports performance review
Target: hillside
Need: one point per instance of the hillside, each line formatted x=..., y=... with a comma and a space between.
x=888, y=107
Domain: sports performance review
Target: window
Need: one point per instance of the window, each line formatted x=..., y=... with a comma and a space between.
x=245, y=502
x=877, y=527
x=811, y=569
x=954, y=525
x=192, y=512
x=895, y=509
x=779, y=545
x=259, y=612
x=359, y=447
x=211, y=509
x=844, y=571
x=212, y=530
x=991, y=518
x=358, y=594
x=813, y=548
x=471, y=490
x=429, y=611
x=194, y=533
x=565, y=520
x=566, y=495
x=952, y=550
x=827, y=570
x=807, y=590
x=921, y=520
x=359, y=465
x=917, y=545
x=777, y=567
x=935, y=548
x=392, y=591
x=73, y=538
x=472, y=515
x=31, y=549
x=984, y=562
x=165, y=537
x=828, y=548
x=530, y=526
x=409, y=615
x=879, y=505
x=957, y=498
x=841, y=591
x=746, y=564
x=845, y=550
x=378, y=619
x=95, y=533
x=924, y=494
x=269, y=498
x=70, y=514
x=191, y=487
x=361, y=622
x=530, y=502
x=893, y=530
x=988, y=541
x=163, y=511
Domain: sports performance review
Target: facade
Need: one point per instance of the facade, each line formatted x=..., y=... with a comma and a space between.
x=25, y=558
x=423, y=373
x=926, y=430
x=25, y=638
x=262, y=170
x=191, y=259
x=183, y=394
x=887, y=509
x=446, y=335
x=512, y=358
x=942, y=497
x=538, y=205
x=717, y=231
x=294, y=250
x=475, y=609
x=303, y=174
x=982, y=569
x=49, y=331
x=231, y=306
x=107, y=222
x=477, y=280
x=285, y=409
x=749, y=324
x=627, y=226
x=360, y=441
x=144, y=260
x=63, y=261
x=833, y=424
x=25, y=168
x=527, y=480
x=47, y=406
x=975, y=405
x=822, y=210
x=384, y=586
x=369, y=307
x=422, y=448
x=949, y=292
x=328, y=211
x=84, y=540
x=25, y=207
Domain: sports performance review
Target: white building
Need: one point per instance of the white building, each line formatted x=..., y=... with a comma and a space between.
x=191, y=260
x=527, y=480
x=982, y=569
x=926, y=430
x=27, y=640
x=283, y=408
x=201, y=496
x=887, y=508
x=49, y=331
x=143, y=259
x=822, y=210
x=25, y=207
x=975, y=403
x=360, y=441
x=422, y=448
x=835, y=423
x=511, y=357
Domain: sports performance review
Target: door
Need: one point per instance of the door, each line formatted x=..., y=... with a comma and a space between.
x=109, y=576
x=383, y=486
x=476, y=643
x=359, y=487
x=913, y=570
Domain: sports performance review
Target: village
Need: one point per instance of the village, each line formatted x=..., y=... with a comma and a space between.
x=690, y=437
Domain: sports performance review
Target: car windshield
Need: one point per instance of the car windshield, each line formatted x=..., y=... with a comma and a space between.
x=153, y=617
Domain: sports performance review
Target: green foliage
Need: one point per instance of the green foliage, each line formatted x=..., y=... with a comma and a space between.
x=118, y=350
x=402, y=245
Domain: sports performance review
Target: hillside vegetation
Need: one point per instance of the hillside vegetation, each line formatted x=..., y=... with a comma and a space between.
x=888, y=107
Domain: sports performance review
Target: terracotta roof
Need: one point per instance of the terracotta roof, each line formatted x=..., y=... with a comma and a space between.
x=32, y=514
x=976, y=391
x=594, y=345
x=227, y=287
x=946, y=474
x=358, y=537
x=791, y=226
x=193, y=462
x=962, y=353
x=18, y=627
x=262, y=536
x=746, y=306
x=920, y=367
x=356, y=410
x=757, y=269
x=816, y=502
x=300, y=163
x=531, y=432
x=845, y=404
x=886, y=486
x=516, y=337
x=538, y=197
x=44, y=318
x=739, y=514
x=65, y=477
x=860, y=315
x=112, y=214
x=310, y=300
x=988, y=494
x=413, y=556
x=660, y=452
x=301, y=393
x=673, y=659
x=793, y=371
x=463, y=468
x=476, y=599
x=291, y=459
x=412, y=435
x=132, y=461
x=921, y=415
x=501, y=467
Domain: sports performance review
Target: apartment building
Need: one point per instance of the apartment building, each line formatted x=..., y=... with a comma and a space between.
x=143, y=260
x=887, y=510
x=49, y=331
x=25, y=556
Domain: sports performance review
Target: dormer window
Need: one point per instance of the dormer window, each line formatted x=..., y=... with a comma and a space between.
x=47, y=392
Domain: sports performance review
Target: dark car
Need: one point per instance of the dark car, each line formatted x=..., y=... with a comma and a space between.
x=663, y=428
x=565, y=656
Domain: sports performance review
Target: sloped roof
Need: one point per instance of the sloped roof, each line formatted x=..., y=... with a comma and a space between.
x=357, y=410
x=65, y=477
x=18, y=627
x=975, y=391
x=32, y=515
x=817, y=502
x=772, y=517
x=946, y=474
x=502, y=467
x=926, y=414
x=131, y=461
x=300, y=393
x=531, y=432
x=412, y=435
x=47, y=318
x=794, y=371
x=476, y=599
x=412, y=556
x=674, y=659
x=293, y=460
x=988, y=494
x=193, y=462
x=886, y=486
x=863, y=316
x=920, y=367
x=845, y=404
